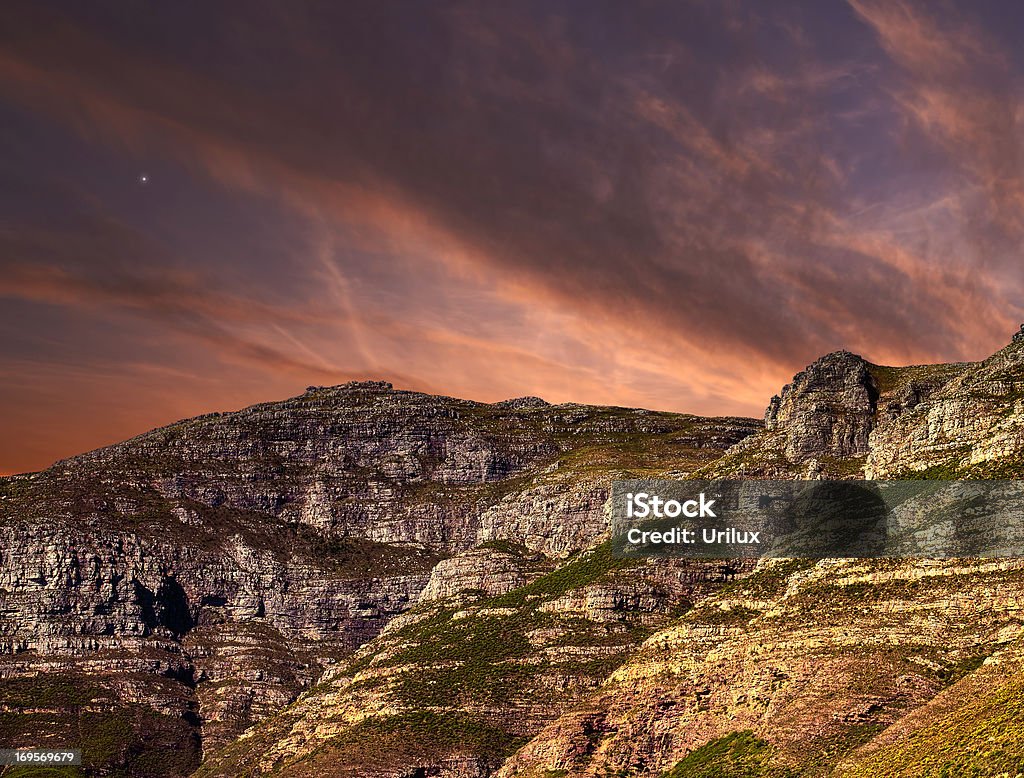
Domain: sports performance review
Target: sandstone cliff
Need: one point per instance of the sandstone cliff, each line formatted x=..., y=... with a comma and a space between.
x=161, y=595
x=796, y=668
x=361, y=581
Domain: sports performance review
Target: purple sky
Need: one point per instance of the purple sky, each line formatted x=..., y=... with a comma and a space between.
x=673, y=205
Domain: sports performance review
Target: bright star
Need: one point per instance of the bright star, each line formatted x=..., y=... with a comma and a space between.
x=143, y=178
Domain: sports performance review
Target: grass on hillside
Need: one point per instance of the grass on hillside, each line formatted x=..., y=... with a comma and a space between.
x=981, y=736
x=737, y=755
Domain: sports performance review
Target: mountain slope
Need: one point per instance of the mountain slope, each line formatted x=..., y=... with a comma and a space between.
x=787, y=671
x=813, y=661
x=160, y=595
x=505, y=665
x=366, y=582
x=975, y=727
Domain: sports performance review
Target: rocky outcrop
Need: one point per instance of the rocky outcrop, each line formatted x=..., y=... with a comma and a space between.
x=845, y=417
x=827, y=411
x=488, y=571
x=829, y=421
x=817, y=427
x=972, y=425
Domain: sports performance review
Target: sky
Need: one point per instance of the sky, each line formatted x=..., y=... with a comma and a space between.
x=672, y=205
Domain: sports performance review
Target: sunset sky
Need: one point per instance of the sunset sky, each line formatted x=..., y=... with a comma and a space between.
x=673, y=205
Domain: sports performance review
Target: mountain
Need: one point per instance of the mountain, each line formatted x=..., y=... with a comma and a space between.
x=361, y=581
x=159, y=596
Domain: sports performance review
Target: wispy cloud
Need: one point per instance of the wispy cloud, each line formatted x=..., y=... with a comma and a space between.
x=662, y=205
x=961, y=91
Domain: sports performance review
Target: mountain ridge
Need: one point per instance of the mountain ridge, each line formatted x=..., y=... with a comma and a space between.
x=362, y=564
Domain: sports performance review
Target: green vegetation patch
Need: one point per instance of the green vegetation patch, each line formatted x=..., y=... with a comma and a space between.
x=768, y=582
x=891, y=380
x=585, y=569
x=506, y=547
x=958, y=470
x=737, y=755
x=116, y=739
x=124, y=741
x=639, y=455
x=713, y=615
x=358, y=557
x=957, y=669
x=478, y=664
x=448, y=731
x=52, y=691
x=410, y=740
x=983, y=736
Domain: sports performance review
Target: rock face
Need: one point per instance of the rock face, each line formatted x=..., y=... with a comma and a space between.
x=172, y=590
x=366, y=582
x=836, y=418
x=488, y=571
x=827, y=411
x=973, y=425
x=812, y=659
x=212, y=636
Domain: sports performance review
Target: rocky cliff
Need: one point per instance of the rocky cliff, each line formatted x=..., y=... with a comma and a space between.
x=841, y=416
x=827, y=410
x=159, y=596
x=813, y=661
x=367, y=582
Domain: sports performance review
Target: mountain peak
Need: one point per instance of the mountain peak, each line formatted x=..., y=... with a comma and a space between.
x=827, y=409
x=355, y=386
x=517, y=403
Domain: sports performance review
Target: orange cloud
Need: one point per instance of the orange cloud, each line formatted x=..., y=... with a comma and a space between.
x=500, y=206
